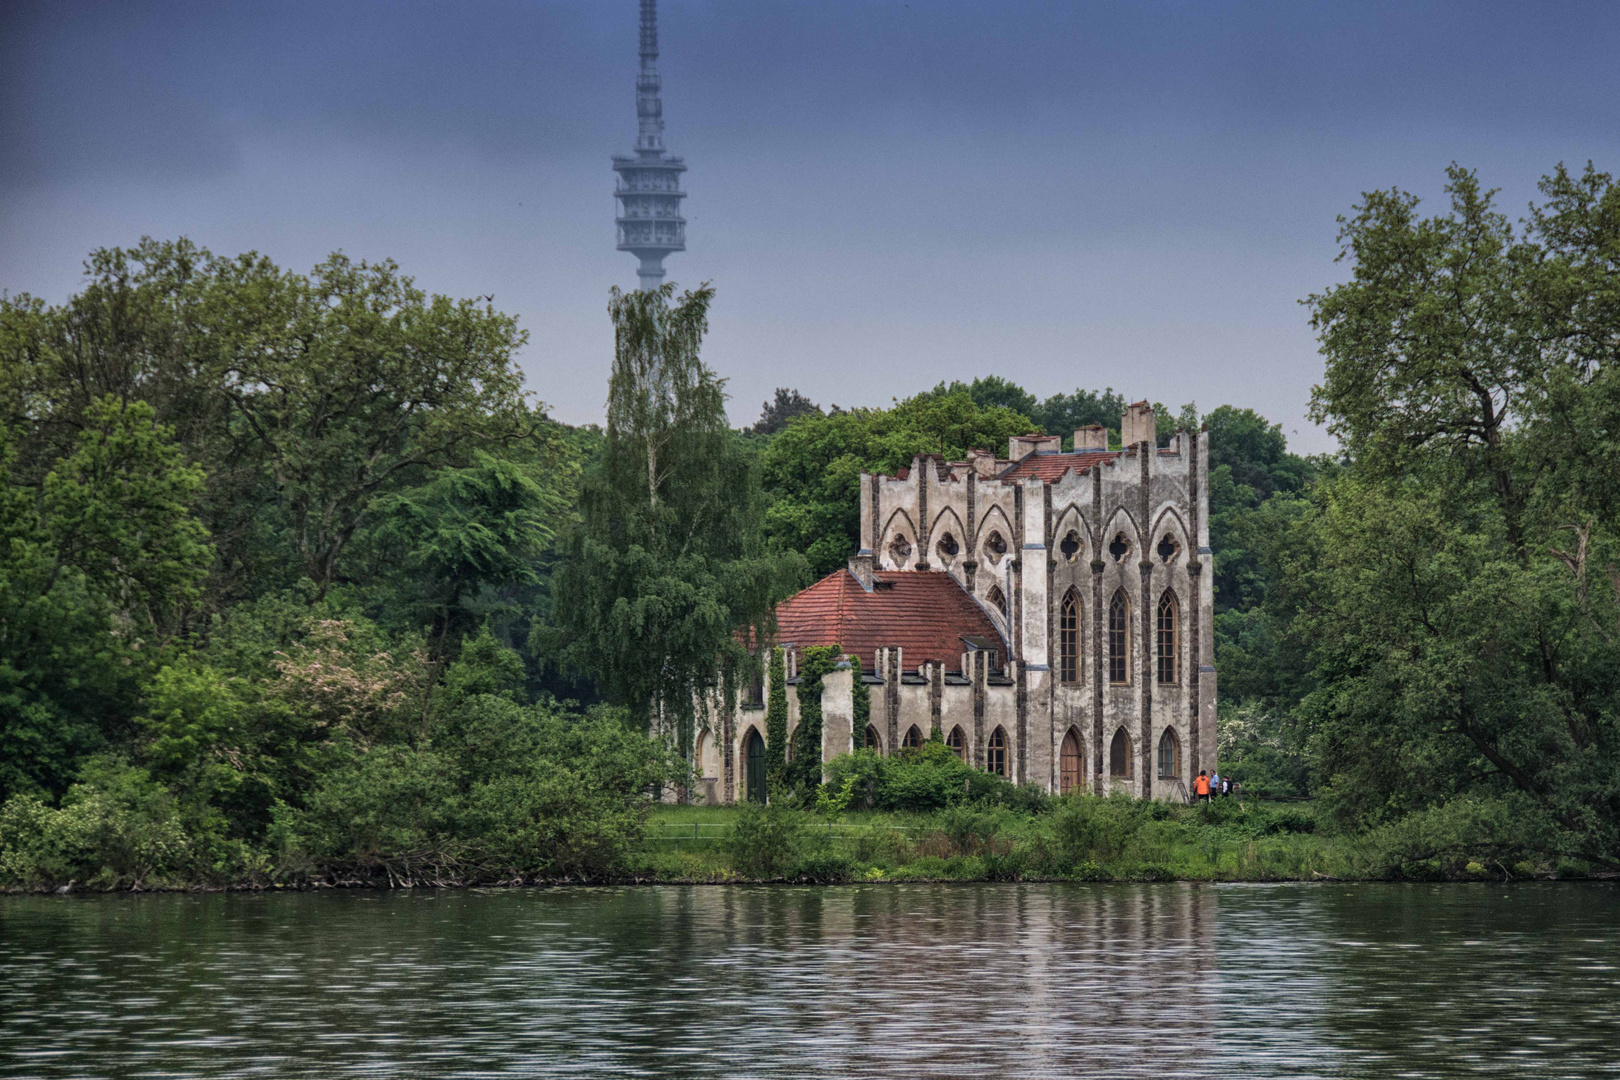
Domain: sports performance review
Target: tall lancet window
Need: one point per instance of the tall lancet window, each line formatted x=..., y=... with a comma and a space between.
x=1119, y=639
x=1169, y=613
x=1069, y=638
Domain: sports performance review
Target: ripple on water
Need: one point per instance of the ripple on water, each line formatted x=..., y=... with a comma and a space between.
x=1161, y=981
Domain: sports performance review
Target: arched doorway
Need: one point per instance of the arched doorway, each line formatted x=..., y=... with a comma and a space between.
x=1070, y=764
x=754, y=756
x=1119, y=756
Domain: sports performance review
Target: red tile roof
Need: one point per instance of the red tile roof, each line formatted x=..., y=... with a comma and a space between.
x=1049, y=467
x=925, y=612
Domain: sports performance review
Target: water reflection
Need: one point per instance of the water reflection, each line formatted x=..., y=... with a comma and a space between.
x=926, y=981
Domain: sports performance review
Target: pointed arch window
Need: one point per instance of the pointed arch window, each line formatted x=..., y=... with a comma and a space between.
x=1166, y=636
x=996, y=753
x=1169, y=755
x=1119, y=756
x=872, y=740
x=996, y=599
x=1119, y=639
x=1069, y=638
x=957, y=743
x=912, y=740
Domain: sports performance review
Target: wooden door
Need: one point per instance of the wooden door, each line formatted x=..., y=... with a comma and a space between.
x=1069, y=776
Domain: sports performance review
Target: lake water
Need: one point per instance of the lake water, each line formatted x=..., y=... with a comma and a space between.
x=882, y=980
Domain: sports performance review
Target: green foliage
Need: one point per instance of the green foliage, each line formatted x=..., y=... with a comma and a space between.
x=1461, y=640
x=764, y=841
x=804, y=771
x=666, y=564
x=776, y=720
x=928, y=778
x=303, y=398
x=97, y=569
x=812, y=468
x=862, y=711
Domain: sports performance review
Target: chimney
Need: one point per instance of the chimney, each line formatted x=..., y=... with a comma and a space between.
x=861, y=566
x=1091, y=437
x=984, y=463
x=1138, y=425
x=1021, y=446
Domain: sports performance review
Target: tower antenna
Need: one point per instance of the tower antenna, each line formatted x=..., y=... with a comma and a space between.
x=648, y=185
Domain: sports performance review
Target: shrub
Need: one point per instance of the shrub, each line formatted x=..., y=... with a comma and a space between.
x=824, y=868
x=764, y=841
x=116, y=828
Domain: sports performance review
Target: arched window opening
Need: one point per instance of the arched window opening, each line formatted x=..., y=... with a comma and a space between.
x=1169, y=755
x=1069, y=638
x=1167, y=548
x=872, y=740
x=996, y=754
x=947, y=547
x=957, y=742
x=995, y=599
x=995, y=547
x=1119, y=756
x=1071, y=764
x=1119, y=640
x=1166, y=636
x=1119, y=547
x=754, y=770
x=698, y=751
x=900, y=550
x=912, y=740
x=1070, y=546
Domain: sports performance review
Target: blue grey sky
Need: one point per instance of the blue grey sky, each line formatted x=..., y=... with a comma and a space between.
x=885, y=195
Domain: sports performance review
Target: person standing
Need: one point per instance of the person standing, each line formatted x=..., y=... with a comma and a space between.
x=1215, y=783
x=1201, y=787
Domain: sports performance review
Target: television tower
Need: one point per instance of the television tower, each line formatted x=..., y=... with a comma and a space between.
x=648, y=185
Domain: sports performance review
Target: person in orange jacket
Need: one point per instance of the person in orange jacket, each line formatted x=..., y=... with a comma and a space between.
x=1201, y=787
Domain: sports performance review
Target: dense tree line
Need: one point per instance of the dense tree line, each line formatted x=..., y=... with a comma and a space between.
x=297, y=584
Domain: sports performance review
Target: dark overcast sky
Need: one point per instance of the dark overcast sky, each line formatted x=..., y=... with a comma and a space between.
x=884, y=194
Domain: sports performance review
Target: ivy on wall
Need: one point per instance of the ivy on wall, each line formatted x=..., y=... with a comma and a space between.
x=776, y=718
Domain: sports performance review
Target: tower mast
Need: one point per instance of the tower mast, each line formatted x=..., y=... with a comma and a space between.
x=648, y=185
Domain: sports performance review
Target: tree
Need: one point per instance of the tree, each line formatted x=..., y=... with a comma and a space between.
x=812, y=469
x=1460, y=639
x=97, y=566
x=305, y=399
x=665, y=576
x=788, y=406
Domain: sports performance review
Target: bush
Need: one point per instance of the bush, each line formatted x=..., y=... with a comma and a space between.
x=925, y=779
x=764, y=841
x=825, y=868
x=1086, y=828
x=116, y=828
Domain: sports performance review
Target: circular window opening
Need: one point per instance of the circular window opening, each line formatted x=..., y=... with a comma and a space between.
x=947, y=547
x=1119, y=547
x=1070, y=546
x=1166, y=548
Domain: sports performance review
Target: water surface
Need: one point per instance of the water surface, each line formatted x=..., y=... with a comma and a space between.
x=883, y=980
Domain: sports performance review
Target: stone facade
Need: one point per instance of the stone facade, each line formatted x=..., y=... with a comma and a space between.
x=1093, y=567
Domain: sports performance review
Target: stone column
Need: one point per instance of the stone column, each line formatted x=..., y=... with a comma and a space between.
x=837, y=712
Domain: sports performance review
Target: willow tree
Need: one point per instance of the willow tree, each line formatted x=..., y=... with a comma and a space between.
x=665, y=576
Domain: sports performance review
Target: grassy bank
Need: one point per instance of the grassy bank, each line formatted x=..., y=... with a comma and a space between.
x=1078, y=839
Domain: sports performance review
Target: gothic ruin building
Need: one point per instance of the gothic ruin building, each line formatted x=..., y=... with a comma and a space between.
x=1048, y=613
